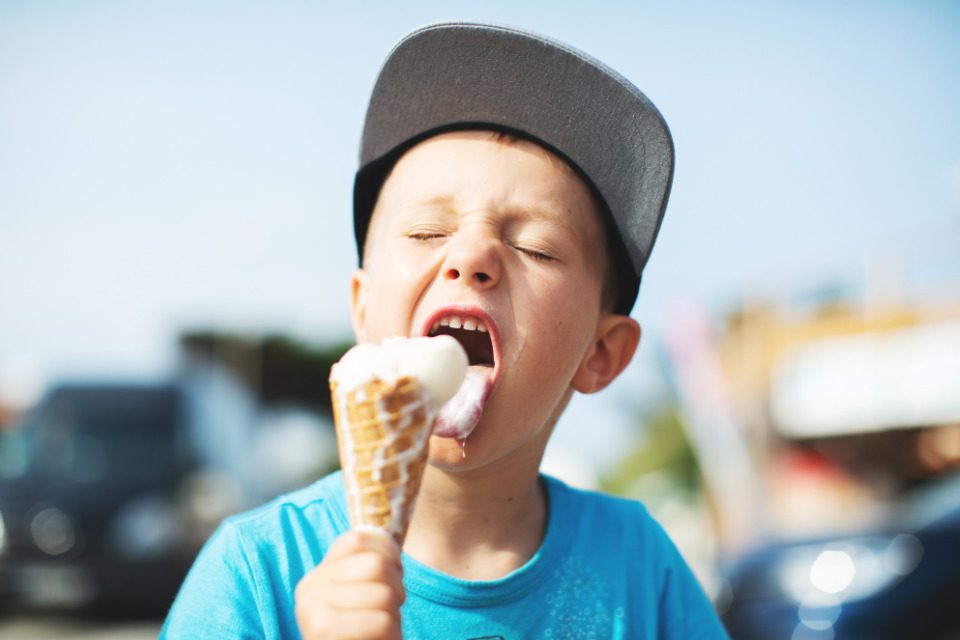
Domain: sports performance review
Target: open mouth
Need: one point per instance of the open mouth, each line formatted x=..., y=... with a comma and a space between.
x=471, y=333
x=476, y=333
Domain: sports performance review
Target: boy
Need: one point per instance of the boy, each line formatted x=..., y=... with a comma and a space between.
x=509, y=194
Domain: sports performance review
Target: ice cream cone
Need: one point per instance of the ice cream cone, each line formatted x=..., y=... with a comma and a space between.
x=383, y=429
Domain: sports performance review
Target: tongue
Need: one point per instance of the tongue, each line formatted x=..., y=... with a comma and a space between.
x=461, y=414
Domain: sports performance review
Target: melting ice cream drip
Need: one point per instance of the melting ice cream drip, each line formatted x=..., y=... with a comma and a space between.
x=460, y=414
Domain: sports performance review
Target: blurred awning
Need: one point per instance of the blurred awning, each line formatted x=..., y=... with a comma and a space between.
x=868, y=382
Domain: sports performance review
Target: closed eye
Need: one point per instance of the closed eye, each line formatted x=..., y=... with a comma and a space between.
x=536, y=254
x=425, y=234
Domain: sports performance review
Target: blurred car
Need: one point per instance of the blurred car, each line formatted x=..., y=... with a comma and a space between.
x=93, y=507
x=899, y=581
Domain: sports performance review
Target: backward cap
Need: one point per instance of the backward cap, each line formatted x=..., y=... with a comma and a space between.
x=462, y=75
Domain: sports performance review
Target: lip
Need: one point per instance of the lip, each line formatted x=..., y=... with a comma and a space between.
x=472, y=311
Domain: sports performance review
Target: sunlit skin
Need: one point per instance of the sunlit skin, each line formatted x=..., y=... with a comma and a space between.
x=464, y=204
x=504, y=230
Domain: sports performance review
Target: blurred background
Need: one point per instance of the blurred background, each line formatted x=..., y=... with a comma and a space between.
x=175, y=197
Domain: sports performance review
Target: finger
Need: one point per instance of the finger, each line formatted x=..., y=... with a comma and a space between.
x=365, y=566
x=376, y=539
x=377, y=624
x=357, y=540
x=367, y=569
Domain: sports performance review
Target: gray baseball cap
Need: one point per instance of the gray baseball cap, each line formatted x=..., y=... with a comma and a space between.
x=458, y=75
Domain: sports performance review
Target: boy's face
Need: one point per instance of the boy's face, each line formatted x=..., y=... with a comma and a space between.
x=472, y=231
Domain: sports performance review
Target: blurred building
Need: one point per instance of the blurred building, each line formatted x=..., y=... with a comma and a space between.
x=808, y=418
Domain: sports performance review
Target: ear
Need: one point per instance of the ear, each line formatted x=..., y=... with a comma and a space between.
x=612, y=349
x=358, y=304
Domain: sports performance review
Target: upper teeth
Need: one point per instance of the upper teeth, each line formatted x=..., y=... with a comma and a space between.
x=458, y=322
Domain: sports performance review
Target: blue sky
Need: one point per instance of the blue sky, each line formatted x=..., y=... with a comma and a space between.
x=172, y=164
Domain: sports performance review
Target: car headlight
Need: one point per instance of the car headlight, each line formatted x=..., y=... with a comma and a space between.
x=829, y=574
x=53, y=531
x=146, y=528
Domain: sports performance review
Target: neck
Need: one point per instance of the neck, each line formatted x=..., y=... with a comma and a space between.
x=478, y=528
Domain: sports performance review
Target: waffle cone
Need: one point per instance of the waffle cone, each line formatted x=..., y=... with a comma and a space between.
x=383, y=431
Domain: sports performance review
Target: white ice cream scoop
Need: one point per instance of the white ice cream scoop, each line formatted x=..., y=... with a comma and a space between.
x=438, y=363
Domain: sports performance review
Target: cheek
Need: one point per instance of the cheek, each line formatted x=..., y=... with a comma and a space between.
x=395, y=286
x=572, y=303
x=567, y=322
x=575, y=314
x=389, y=310
x=572, y=331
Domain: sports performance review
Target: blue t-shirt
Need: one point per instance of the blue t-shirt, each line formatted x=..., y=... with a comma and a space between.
x=605, y=570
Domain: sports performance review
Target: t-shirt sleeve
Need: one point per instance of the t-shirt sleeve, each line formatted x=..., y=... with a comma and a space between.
x=685, y=611
x=219, y=597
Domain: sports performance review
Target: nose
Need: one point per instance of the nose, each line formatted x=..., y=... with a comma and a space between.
x=473, y=260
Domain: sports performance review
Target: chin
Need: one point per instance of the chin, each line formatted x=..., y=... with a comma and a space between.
x=448, y=453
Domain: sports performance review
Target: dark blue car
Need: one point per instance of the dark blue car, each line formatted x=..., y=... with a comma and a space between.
x=901, y=581
x=91, y=509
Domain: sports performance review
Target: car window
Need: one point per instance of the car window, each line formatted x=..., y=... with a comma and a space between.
x=14, y=452
x=106, y=438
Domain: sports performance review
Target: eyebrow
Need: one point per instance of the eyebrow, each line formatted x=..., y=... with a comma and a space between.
x=437, y=202
x=549, y=215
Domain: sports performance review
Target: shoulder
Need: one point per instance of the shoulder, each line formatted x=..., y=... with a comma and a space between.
x=253, y=562
x=617, y=539
x=612, y=522
x=321, y=504
x=588, y=506
x=286, y=537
